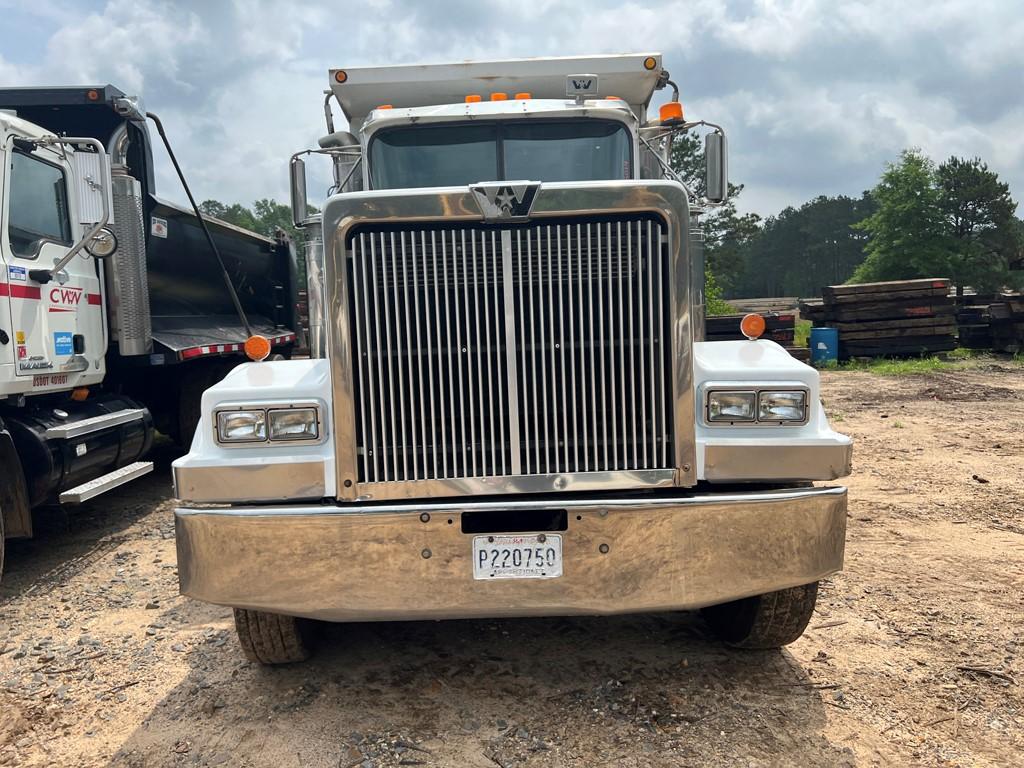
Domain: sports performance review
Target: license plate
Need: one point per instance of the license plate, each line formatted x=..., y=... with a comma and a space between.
x=520, y=556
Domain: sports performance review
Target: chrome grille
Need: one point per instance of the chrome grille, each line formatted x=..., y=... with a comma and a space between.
x=530, y=350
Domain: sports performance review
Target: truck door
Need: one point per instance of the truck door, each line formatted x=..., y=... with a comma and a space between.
x=57, y=326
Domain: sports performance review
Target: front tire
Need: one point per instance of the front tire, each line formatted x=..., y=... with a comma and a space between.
x=764, y=621
x=270, y=638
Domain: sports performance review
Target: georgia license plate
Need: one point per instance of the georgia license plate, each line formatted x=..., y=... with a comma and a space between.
x=519, y=556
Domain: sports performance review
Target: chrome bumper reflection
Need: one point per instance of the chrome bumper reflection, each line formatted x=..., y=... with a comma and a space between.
x=396, y=562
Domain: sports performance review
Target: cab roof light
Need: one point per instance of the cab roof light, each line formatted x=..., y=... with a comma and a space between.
x=523, y=95
x=386, y=106
x=499, y=96
x=474, y=98
x=613, y=98
x=671, y=113
x=752, y=326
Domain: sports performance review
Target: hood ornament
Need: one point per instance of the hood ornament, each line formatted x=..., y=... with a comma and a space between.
x=505, y=200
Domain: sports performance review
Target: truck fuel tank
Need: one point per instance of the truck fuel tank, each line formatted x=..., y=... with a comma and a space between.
x=64, y=443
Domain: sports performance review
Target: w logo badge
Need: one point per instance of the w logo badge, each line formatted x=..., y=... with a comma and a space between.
x=505, y=201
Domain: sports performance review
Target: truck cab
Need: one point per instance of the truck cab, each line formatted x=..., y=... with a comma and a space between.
x=115, y=311
x=509, y=409
x=59, y=333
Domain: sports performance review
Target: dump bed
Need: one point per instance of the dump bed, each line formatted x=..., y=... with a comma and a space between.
x=189, y=302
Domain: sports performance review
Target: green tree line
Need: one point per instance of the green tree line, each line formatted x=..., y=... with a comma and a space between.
x=955, y=220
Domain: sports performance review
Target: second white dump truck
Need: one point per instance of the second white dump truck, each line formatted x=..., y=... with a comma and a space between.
x=510, y=410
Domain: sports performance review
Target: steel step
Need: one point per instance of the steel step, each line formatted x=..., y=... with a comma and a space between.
x=94, y=424
x=107, y=482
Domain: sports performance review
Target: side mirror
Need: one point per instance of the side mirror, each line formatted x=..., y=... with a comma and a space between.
x=716, y=167
x=102, y=245
x=300, y=209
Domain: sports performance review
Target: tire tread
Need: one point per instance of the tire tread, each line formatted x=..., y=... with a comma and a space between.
x=765, y=621
x=270, y=638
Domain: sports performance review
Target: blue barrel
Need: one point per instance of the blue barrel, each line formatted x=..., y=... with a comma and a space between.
x=824, y=345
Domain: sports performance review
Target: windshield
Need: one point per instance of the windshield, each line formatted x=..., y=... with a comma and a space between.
x=457, y=155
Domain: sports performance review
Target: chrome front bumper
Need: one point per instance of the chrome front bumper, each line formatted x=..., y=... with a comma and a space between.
x=412, y=561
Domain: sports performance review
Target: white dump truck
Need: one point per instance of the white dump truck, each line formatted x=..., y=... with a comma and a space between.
x=115, y=312
x=509, y=409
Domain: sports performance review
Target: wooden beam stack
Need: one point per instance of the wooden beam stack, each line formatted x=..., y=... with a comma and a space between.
x=1007, y=323
x=903, y=318
x=779, y=327
x=995, y=321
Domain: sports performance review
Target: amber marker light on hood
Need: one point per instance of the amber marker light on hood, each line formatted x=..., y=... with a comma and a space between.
x=752, y=326
x=340, y=76
x=257, y=348
x=650, y=62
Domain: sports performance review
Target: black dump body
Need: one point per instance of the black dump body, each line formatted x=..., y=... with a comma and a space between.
x=189, y=302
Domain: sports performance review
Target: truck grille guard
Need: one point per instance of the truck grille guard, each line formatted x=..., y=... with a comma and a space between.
x=475, y=357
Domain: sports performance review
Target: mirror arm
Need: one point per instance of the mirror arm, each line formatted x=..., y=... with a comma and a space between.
x=666, y=168
x=334, y=151
x=43, y=276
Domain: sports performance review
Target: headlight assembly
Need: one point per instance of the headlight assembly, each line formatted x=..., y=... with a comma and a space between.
x=755, y=406
x=731, y=406
x=268, y=423
x=294, y=424
x=782, y=406
x=242, y=426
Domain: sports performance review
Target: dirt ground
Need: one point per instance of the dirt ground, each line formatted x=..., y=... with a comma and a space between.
x=914, y=657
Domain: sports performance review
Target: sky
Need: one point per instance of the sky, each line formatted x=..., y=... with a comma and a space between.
x=816, y=96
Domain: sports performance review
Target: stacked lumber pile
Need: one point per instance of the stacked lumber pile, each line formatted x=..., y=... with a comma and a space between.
x=813, y=310
x=763, y=306
x=992, y=322
x=779, y=327
x=974, y=323
x=894, y=319
x=1007, y=323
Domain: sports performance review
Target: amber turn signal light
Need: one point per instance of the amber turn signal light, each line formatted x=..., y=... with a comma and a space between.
x=340, y=76
x=257, y=347
x=650, y=62
x=752, y=326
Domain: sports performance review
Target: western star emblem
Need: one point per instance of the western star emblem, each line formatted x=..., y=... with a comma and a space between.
x=505, y=200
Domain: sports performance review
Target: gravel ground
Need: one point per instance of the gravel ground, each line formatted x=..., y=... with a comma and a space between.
x=914, y=655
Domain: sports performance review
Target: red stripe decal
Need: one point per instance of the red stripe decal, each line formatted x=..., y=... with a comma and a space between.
x=20, y=291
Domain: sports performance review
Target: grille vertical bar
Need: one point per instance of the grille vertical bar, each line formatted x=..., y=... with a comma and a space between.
x=534, y=350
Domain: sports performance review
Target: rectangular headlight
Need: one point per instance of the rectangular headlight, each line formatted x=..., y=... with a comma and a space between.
x=782, y=406
x=293, y=424
x=731, y=406
x=242, y=426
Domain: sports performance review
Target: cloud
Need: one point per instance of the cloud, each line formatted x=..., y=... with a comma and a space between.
x=816, y=96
